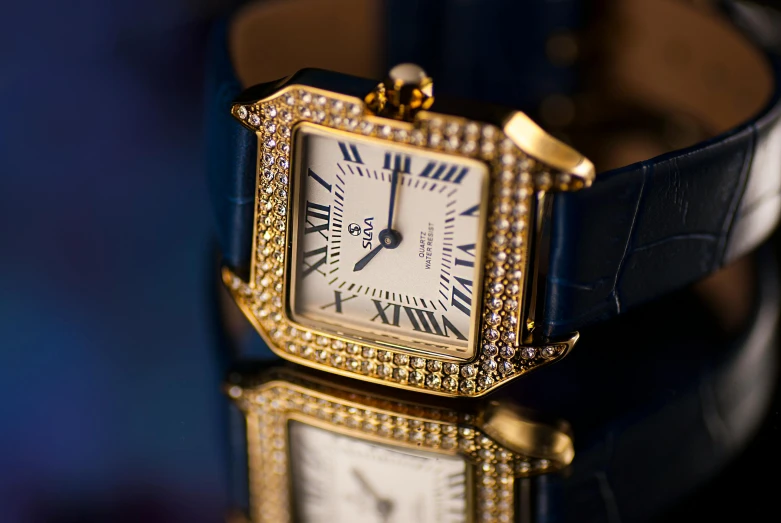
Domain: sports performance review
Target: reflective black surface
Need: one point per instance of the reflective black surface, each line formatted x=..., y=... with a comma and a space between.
x=668, y=407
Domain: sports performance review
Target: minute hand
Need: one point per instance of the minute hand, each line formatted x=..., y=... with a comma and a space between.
x=392, y=202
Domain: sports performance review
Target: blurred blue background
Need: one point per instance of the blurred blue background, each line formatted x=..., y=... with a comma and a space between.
x=106, y=367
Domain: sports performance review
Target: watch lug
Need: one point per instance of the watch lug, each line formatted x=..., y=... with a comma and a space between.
x=406, y=90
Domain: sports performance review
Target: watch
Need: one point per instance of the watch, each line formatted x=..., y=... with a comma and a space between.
x=384, y=231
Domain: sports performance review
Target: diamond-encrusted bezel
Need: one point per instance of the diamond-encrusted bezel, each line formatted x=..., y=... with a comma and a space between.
x=512, y=186
x=269, y=407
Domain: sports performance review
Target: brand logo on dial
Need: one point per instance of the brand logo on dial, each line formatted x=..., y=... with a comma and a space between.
x=368, y=234
x=354, y=229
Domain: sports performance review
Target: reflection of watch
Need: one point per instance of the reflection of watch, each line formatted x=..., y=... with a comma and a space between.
x=330, y=454
x=374, y=231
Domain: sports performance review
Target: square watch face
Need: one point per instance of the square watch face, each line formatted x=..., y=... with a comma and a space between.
x=387, y=242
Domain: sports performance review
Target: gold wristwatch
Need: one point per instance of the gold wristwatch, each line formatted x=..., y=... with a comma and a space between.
x=378, y=230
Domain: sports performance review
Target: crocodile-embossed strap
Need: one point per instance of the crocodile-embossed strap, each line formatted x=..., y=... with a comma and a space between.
x=644, y=230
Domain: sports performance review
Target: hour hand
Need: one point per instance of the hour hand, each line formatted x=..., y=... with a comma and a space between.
x=363, y=262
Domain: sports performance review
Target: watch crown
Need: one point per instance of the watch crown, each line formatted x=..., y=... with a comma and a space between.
x=405, y=90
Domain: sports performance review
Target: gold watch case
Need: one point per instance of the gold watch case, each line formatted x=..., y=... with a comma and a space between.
x=525, y=165
x=499, y=442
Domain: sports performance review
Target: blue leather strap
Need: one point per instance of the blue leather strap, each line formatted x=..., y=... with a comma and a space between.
x=644, y=230
x=231, y=156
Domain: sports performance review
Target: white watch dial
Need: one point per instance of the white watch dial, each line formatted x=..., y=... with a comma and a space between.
x=387, y=241
x=340, y=478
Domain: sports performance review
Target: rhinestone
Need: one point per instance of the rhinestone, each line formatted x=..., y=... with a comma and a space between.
x=320, y=101
x=505, y=208
x=549, y=352
x=493, y=318
x=367, y=367
x=468, y=386
x=497, y=271
x=400, y=374
x=451, y=128
x=543, y=180
x=507, y=176
x=448, y=442
x=336, y=107
x=321, y=355
x=416, y=377
x=270, y=111
x=366, y=127
x=352, y=364
x=401, y=135
x=242, y=112
x=505, y=367
x=353, y=349
x=451, y=368
x=318, y=115
x=400, y=433
x=450, y=383
x=452, y=143
x=499, y=240
x=495, y=303
x=485, y=381
x=282, y=178
x=289, y=99
x=351, y=123
x=286, y=116
x=292, y=348
x=469, y=147
x=336, y=360
x=416, y=437
x=385, y=131
x=384, y=431
x=509, y=337
x=433, y=381
x=384, y=371
x=435, y=123
x=417, y=363
x=523, y=467
x=506, y=352
x=322, y=340
x=433, y=440
x=307, y=351
x=383, y=355
x=489, y=365
x=281, y=210
x=400, y=359
x=491, y=334
x=417, y=137
x=496, y=288
x=434, y=139
x=542, y=464
x=468, y=371
x=514, y=275
x=510, y=305
x=518, y=225
x=254, y=120
x=487, y=148
x=284, y=130
x=367, y=352
x=489, y=349
x=434, y=365
x=528, y=353
x=337, y=120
